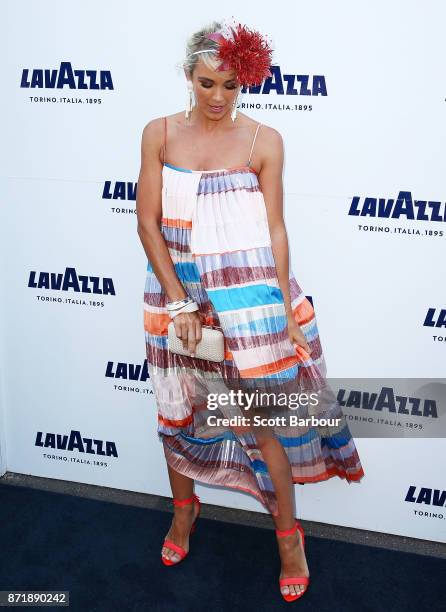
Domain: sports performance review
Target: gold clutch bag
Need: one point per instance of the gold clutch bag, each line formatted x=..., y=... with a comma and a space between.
x=211, y=346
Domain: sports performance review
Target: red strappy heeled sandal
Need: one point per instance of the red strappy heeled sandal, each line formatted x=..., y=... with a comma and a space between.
x=305, y=580
x=168, y=543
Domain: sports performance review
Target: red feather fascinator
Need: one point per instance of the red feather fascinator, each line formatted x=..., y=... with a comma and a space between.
x=245, y=51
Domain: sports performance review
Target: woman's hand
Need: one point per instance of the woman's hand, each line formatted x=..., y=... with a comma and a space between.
x=188, y=329
x=296, y=335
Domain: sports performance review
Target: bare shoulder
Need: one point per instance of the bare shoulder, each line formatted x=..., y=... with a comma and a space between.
x=153, y=132
x=270, y=148
x=270, y=136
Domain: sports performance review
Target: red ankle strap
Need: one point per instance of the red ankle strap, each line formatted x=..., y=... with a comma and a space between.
x=287, y=532
x=184, y=502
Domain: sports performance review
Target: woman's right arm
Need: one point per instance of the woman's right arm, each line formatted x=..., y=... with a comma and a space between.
x=148, y=213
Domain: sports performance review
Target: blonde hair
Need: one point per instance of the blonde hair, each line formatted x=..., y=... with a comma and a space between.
x=199, y=42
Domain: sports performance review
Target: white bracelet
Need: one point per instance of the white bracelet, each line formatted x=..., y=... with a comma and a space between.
x=190, y=307
x=178, y=303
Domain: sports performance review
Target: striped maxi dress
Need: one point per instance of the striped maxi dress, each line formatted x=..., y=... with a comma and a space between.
x=215, y=226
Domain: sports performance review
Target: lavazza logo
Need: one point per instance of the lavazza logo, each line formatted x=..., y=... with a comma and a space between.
x=414, y=213
x=437, y=320
x=427, y=500
x=55, y=82
x=389, y=408
x=292, y=92
x=75, y=288
x=120, y=191
x=81, y=447
x=125, y=375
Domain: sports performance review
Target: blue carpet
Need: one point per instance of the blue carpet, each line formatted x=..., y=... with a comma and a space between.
x=107, y=556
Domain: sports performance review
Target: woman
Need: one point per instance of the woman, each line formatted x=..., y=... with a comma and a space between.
x=209, y=208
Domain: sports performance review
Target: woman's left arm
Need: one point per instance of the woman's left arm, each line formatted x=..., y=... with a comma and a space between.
x=271, y=185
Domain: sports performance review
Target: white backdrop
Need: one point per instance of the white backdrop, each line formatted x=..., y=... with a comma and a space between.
x=73, y=360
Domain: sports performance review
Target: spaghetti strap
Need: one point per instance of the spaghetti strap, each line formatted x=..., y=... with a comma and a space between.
x=253, y=142
x=165, y=138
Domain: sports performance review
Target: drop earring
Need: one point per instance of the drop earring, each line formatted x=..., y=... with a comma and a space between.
x=189, y=101
x=234, y=106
